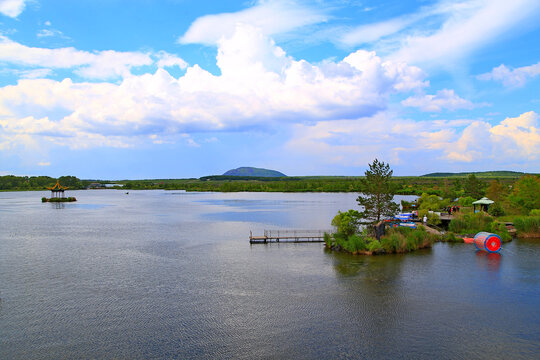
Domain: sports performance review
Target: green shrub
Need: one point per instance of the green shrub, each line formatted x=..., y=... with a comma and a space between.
x=496, y=210
x=397, y=240
x=526, y=193
x=402, y=239
x=470, y=223
x=535, y=212
x=475, y=223
x=328, y=240
x=527, y=224
x=391, y=242
x=355, y=243
x=501, y=230
x=375, y=246
x=466, y=201
x=432, y=218
x=347, y=223
x=340, y=240
x=432, y=202
x=451, y=237
x=414, y=240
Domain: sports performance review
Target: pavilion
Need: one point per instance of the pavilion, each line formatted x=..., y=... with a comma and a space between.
x=483, y=203
x=57, y=191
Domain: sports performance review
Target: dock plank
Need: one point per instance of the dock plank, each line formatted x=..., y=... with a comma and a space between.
x=288, y=236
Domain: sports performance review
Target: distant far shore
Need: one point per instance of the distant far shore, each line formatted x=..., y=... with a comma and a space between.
x=445, y=186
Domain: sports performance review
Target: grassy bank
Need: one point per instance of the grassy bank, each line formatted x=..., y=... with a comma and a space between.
x=471, y=224
x=396, y=240
x=527, y=226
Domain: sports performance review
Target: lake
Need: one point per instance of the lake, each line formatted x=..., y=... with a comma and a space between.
x=167, y=274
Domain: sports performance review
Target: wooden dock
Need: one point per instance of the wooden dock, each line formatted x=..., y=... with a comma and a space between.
x=288, y=236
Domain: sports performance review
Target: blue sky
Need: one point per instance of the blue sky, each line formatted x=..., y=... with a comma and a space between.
x=175, y=89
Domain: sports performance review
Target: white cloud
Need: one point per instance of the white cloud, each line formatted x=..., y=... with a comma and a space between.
x=373, y=32
x=445, y=32
x=513, y=139
x=12, y=8
x=45, y=33
x=469, y=26
x=189, y=140
x=259, y=86
x=169, y=60
x=33, y=73
x=105, y=64
x=100, y=65
x=400, y=141
x=519, y=136
x=443, y=99
x=512, y=77
x=271, y=17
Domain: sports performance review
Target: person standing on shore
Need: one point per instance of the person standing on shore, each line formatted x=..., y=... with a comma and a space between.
x=425, y=219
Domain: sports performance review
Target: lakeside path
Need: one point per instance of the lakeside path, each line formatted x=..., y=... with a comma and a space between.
x=432, y=230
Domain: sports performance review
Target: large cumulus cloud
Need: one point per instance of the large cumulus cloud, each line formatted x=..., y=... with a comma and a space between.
x=259, y=86
x=512, y=141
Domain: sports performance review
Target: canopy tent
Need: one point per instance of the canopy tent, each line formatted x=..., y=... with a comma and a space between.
x=483, y=203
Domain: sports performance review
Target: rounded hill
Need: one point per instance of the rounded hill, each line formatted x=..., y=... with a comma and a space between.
x=255, y=172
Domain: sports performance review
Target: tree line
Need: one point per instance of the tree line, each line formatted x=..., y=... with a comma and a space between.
x=27, y=183
x=450, y=188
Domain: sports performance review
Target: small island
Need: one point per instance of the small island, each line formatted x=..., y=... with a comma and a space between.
x=57, y=194
x=378, y=205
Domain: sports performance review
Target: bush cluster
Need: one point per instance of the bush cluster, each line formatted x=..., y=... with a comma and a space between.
x=432, y=217
x=349, y=243
x=475, y=223
x=66, y=199
x=527, y=224
x=496, y=209
x=397, y=240
x=451, y=237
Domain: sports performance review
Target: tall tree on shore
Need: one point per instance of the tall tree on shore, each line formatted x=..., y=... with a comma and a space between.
x=378, y=192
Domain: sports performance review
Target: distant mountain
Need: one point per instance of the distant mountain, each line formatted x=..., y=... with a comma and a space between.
x=493, y=174
x=255, y=172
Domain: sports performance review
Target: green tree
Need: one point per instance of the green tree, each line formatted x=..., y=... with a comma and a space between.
x=432, y=202
x=473, y=187
x=526, y=193
x=378, y=192
x=448, y=191
x=347, y=223
x=71, y=182
x=496, y=191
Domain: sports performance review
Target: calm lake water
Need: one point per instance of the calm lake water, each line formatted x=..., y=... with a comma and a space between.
x=162, y=275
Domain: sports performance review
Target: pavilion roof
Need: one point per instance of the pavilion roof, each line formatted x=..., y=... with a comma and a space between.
x=57, y=187
x=483, y=201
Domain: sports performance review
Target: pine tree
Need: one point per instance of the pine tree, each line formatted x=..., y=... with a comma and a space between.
x=378, y=194
x=474, y=187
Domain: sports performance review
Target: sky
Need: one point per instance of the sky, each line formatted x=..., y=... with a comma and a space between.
x=138, y=89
